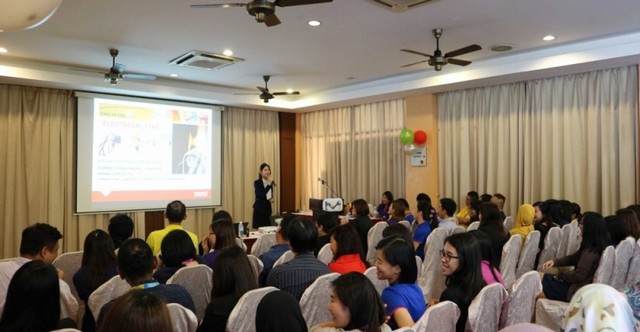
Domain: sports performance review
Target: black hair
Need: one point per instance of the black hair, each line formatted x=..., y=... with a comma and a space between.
x=38, y=236
x=490, y=215
x=357, y=293
x=222, y=214
x=328, y=220
x=348, y=241
x=284, y=225
x=303, y=235
x=616, y=229
x=398, y=230
x=404, y=202
x=449, y=205
x=576, y=210
x=262, y=166
x=176, y=211
x=468, y=276
x=473, y=195
x=232, y=273
x=595, y=237
x=361, y=206
x=486, y=251
x=98, y=257
x=135, y=259
x=630, y=221
x=485, y=198
x=423, y=197
x=176, y=247
x=120, y=229
x=389, y=196
x=398, y=252
x=225, y=233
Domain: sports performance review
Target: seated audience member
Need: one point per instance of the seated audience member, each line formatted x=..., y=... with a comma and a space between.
x=33, y=300
x=575, y=211
x=220, y=214
x=136, y=263
x=98, y=265
x=139, y=311
x=630, y=221
x=361, y=220
x=326, y=222
x=474, y=211
x=523, y=224
x=433, y=214
x=489, y=267
x=222, y=234
x=485, y=198
x=462, y=217
x=279, y=311
x=396, y=263
x=566, y=211
x=636, y=209
x=39, y=242
x=277, y=250
x=616, y=229
x=175, y=213
x=499, y=200
x=347, y=251
x=460, y=264
x=297, y=274
x=355, y=306
x=398, y=231
x=385, y=204
x=232, y=277
x=595, y=238
x=446, y=212
x=491, y=225
x=633, y=297
x=408, y=215
x=598, y=307
x=543, y=222
x=396, y=212
x=423, y=230
x=176, y=254
x=120, y=229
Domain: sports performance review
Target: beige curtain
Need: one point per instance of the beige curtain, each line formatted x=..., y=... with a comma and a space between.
x=355, y=149
x=570, y=137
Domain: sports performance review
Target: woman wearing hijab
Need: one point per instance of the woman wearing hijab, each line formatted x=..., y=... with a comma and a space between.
x=279, y=311
x=598, y=307
x=523, y=225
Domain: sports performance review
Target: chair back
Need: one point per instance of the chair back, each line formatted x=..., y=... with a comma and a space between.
x=182, y=319
x=509, y=261
x=549, y=313
x=573, y=238
x=624, y=251
x=530, y=327
x=241, y=244
x=404, y=329
x=633, y=276
x=325, y=255
x=197, y=280
x=473, y=226
x=605, y=267
x=243, y=315
x=371, y=274
x=520, y=304
x=315, y=300
x=440, y=317
x=373, y=237
x=551, y=246
x=431, y=279
x=263, y=243
x=419, y=266
x=108, y=291
x=508, y=223
x=70, y=263
x=456, y=230
x=527, y=258
x=287, y=256
x=257, y=266
x=406, y=224
x=485, y=309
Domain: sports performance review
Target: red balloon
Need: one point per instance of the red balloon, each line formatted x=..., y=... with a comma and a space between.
x=419, y=137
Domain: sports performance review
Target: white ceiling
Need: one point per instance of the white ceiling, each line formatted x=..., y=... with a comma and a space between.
x=353, y=56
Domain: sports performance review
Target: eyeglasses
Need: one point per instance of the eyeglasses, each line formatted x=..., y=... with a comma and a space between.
x=447, y=257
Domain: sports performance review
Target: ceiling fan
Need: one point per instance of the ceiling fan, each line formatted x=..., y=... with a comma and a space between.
x=437, y=60
x=265, y=95
x=116, y=72
x=263, y=10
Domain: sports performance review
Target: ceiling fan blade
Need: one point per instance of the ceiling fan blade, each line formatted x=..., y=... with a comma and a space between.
x=246, y=94
x=284, y=93
x=139, y=76
x=118, y=68
x=458, y=62
x=219, y=5
x=287, y=3
x=95, y=71
x=416, y=52
x=266, y=96
x=464, y=50
x=415, y=63
x=271, y=20
x=263, y=90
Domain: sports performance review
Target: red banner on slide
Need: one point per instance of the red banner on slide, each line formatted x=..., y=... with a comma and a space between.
x=156, y=195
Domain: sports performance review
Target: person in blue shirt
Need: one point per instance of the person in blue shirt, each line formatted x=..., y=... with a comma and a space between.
x=424, y=228
x=277, y=250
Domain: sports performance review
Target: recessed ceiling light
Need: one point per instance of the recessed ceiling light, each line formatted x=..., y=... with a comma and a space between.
x=173, y=75
x=548, y=37
x=3, y=50
x=314, y=23
x=501, y=47
x=227, y=52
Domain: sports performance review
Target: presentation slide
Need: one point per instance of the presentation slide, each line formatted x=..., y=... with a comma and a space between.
x=137, y=154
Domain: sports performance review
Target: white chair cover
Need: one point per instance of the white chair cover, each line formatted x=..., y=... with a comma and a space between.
x=197, y=280
x=182, y=319
x=508, y=223
x=624, y=250
x=473, y=226
x=108, y=291
x=605, y=267
x=431, y=280
x=406, y=224
x=509, y=262
x=549, y=313
x=371, y=274
x=325, y=255
x=633, y=276
x=440, y=317
x=67, y=330
x=243, y=315
x=373, y=237
x=256, y=264
x=551, y=246
x=485, y=309
x=528, y=253
x=456, y=230
x=574, y=237
x=263, y=243
x=404, y=329
x=525, y=327
x=314, y=302
x=520, y=304
x=70, y=263
x=241, y=244
x=419, y=266
x=287, y=256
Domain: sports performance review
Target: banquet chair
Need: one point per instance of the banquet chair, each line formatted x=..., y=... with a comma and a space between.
x=605, y=267
x=108, y=291
x=527, y=258
x=243, y=315
x=379, y=285
x=508, y=224
x=70, y=263
x=633, y=276
x=287, y=256
x=509, y=261
x=431, y=279
x=419, y=266
x=440, y=317
x=529, y=327
x=197, y=280
x=182, y=319
x=473, y=226
x=573, y=237
x=373, y=237
x=551, y=244
x=520, y=304
x=549, y=313
x=241, y=244
x=256, y=264
x=485, y=308
x=405, y=223
x=325, y=255
x=263, y=243
x=315, y=300
x=623, y=253
x=456, y=230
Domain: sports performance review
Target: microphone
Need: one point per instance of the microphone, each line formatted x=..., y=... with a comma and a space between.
x=321, y=181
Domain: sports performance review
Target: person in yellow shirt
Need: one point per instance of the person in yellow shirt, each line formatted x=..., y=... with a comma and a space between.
x=175, y=213
x=463, y=215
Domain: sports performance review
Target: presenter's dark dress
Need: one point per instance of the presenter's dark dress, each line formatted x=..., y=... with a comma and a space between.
x=262, y=206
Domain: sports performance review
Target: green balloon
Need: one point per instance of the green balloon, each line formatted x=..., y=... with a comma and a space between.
x=406, y=136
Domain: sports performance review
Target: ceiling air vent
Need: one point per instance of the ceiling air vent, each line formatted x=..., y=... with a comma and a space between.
x=399, y=5
x=204, y=60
